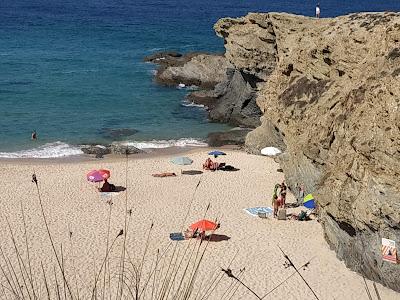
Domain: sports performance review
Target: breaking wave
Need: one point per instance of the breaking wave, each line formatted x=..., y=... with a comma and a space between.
x=49, y=150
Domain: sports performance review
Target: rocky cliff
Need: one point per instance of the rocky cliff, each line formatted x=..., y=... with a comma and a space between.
x=228, y=93
x=329, y=90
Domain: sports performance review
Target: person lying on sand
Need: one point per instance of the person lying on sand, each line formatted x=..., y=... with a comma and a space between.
x=163, y=175
x=211, y=165
x=107, y=187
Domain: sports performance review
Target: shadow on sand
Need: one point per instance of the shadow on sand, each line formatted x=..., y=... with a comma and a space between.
x=192, y=172
x=119, y=188
x=217, y=238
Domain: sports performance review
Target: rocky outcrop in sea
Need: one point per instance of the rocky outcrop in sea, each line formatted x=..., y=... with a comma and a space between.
x=228, y=94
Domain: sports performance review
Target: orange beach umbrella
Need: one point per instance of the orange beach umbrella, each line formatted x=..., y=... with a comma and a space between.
x=204, y=225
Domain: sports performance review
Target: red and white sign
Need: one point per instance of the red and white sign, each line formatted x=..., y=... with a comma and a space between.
x=389, y=252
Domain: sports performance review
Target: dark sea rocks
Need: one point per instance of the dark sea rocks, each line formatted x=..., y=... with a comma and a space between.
x=117, y=133
x=231, y=137
x=199, y=69
x=123, y=149
x=115, y=148
x=97, y=150
x=229, y=94
x=235, y=102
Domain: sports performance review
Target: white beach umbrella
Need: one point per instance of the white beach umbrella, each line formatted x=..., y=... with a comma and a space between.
x=270, y=151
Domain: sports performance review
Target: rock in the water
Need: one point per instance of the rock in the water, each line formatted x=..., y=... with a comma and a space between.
x=330, y=88
x=229, y=94
x=231, y=137
x=115, y=148
x=199, y=69
x=166, y=58
x=232, y=101
x=117, y=133
x=123, y=149
x=98, y=150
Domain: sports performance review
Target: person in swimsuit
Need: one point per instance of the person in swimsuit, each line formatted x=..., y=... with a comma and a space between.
x=164, y=175
x=275, y=199
x=34, y=135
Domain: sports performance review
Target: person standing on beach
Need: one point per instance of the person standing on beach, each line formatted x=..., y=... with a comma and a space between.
x=275, y=202
x=317, y=11
x=34, y=135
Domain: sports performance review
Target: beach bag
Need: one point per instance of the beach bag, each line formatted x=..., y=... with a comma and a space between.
x=282, y=214
x=302, y=216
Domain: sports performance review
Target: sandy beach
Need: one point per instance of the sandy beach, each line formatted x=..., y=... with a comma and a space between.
x=78, y=219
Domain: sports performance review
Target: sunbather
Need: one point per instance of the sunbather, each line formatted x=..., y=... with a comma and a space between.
x=212, y=165
x=164, y=175
x=208, y=164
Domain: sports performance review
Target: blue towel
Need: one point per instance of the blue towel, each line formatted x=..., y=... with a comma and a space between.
x=255, y=210
x=176, y=236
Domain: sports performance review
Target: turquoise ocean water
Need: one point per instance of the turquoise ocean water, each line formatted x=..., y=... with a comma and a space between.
x=74, y=69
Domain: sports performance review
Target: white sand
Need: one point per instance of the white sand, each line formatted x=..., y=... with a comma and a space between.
x=73, y=204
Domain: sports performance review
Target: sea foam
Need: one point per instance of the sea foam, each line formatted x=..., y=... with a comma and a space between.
x=49, y=150
x=159, y=144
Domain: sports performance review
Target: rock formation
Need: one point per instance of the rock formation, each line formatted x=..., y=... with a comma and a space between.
x=115, y=148
x=228, y=94
x=235, y=136
x=199, y=69
x=330, y=91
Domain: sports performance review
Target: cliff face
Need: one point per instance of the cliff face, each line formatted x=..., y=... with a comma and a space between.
x=330, y=91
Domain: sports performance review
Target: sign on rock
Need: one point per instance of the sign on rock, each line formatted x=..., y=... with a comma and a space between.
x=389, y=252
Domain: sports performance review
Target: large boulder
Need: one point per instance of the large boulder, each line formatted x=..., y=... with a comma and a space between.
x=199, y=69
x=124, y=148
x=232, y=101
x=266, y=135
x=231, y=137
x=97, y=150
x=331, y=88
x=202, y=70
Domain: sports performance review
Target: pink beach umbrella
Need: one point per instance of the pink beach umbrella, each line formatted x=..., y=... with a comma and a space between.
x=94, y=176
x=105, y=173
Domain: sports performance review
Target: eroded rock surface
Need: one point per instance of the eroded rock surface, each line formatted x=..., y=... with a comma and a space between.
x=235, y=136
x=228, y=94
x=330, y=89
x=199, y=69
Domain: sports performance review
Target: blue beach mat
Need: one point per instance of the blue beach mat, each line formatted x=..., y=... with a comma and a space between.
x=176, y=236
x=255, y=210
